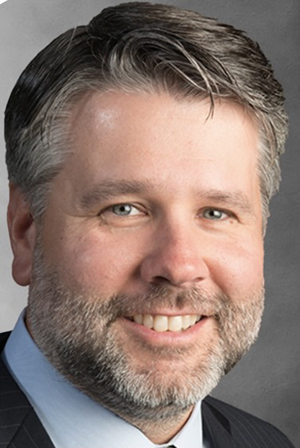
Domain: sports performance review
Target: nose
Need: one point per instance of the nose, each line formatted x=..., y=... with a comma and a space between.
x=175, y=258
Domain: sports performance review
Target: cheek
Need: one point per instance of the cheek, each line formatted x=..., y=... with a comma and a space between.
x=97, y=263
x=238, y=270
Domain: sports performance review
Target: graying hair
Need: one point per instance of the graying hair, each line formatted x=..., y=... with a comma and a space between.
x=138, y=47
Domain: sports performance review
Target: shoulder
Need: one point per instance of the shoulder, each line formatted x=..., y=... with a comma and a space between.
x=19, y=424
x=3, y=339
x=247, y=428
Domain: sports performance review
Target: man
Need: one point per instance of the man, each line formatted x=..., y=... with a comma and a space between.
x=142, y=152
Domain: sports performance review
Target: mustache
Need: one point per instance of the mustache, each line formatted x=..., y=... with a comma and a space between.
x=90, y=305
x=160, y=297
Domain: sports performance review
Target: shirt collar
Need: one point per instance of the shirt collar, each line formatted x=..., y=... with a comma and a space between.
x=71, y=418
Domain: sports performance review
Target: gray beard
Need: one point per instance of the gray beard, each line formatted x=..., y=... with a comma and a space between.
x=76, y=332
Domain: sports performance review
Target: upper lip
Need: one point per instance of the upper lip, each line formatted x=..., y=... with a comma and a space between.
x=170, y=313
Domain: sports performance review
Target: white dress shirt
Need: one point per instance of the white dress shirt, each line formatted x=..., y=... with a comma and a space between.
x=72, y=419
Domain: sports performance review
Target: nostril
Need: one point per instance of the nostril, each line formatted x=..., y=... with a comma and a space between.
x=161, y=279
x=176, y=282
x=168, y=265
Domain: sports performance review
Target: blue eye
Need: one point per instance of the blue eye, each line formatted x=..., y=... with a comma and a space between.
x=214, y=214
x=124, y=210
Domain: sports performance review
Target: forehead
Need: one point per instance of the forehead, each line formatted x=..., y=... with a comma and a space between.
x=159, y=148
x=154, y=132
x=105, y=112
x=136, y=124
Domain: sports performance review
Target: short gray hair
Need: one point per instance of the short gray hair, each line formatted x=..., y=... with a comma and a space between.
x=138, y=46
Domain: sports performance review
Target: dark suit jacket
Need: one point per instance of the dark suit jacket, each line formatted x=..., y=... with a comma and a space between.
x=224, y=426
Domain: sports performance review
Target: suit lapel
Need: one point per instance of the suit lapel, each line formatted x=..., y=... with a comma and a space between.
x=31, y=434
x=19, y=425
x=216, y=427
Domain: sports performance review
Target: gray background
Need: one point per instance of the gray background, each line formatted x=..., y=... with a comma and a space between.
x=267, y=381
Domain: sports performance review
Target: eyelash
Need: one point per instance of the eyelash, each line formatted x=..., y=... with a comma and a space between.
x=227, y=213
x=222, y=212
x=123, y=204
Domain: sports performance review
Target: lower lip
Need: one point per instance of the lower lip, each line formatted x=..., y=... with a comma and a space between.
x=167, y=337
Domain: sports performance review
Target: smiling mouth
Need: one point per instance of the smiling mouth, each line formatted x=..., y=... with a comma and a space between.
x=161, y=323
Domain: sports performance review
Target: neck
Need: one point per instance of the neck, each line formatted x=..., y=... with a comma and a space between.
x=161, y=430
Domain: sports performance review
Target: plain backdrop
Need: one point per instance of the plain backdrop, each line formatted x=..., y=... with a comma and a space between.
x=267, y=381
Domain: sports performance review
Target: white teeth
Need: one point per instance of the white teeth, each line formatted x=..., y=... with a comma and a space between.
x=160, y=323
x=175, y=323
x=138, y=318
x=166, y=323
x=148, y=321
x=186, y=322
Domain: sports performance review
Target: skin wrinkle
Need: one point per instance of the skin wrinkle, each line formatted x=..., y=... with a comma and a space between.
x=109, y=189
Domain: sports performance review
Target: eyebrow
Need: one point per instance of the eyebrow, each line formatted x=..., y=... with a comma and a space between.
x=236, y=199
x=108, y=189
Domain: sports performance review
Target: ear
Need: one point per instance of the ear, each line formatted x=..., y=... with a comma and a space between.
x=22, y=233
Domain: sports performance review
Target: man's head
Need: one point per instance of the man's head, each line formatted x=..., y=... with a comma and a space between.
x=142, y=151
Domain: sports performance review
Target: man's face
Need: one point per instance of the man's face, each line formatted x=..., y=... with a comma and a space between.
x=154, y=223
